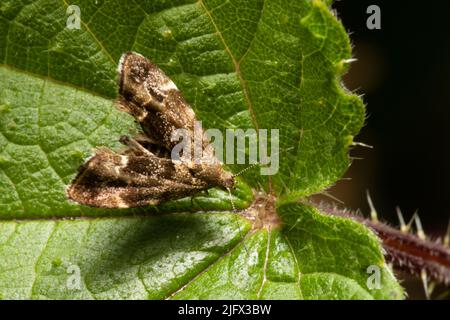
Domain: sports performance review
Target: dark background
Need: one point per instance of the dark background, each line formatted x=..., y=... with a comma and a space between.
x=403, y=70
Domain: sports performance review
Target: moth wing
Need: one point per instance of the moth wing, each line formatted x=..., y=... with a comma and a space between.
x=148, y=94
x=112, y=180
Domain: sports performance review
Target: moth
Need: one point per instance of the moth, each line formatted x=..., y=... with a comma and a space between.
x=144, y=173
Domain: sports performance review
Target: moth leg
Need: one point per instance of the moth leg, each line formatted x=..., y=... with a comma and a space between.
x=135, y=145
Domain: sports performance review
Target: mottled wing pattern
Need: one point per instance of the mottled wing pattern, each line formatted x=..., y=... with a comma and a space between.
x=144, y=174
x=153, y=99
x=113, y=180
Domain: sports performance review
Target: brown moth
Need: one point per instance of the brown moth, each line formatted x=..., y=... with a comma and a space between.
x=145, y=173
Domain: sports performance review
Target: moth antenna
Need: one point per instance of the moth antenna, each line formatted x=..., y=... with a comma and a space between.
x=256, y=164
x=244, y=170
x=231, y=200
x=235, y=212
x=373, y=211
x=420, y=232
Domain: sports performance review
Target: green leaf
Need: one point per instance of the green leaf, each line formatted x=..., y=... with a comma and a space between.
x=241, y=64
x=313, y=257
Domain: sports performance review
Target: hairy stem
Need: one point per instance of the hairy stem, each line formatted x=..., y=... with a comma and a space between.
x=406, y=251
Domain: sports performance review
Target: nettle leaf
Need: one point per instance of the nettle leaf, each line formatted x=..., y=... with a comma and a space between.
x=241, y=64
